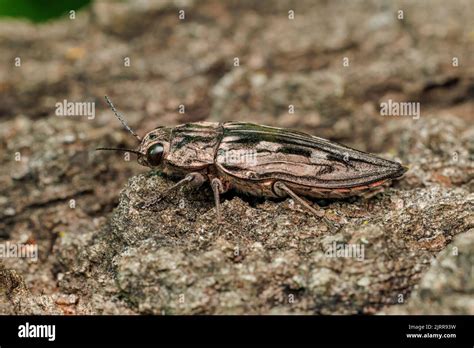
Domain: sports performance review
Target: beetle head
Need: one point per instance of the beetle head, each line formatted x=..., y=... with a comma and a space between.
x=154, y=147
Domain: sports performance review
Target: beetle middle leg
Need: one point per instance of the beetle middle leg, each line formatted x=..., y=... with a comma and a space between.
x=282, y=190
x=217, y=189
x=193, y=179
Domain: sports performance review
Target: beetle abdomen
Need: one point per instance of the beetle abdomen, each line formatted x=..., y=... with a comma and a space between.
x=260, y=153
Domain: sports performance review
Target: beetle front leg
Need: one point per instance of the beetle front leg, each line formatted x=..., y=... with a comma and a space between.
x=282, y=190
x=192, y=179
x=217, y=189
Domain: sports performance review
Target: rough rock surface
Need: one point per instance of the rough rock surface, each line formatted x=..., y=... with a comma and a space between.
x=447, y=287
x=98, y=253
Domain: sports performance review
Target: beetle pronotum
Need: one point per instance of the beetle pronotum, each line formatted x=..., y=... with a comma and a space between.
x=259, y=160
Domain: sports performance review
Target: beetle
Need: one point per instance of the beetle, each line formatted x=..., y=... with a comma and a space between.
x=259, y=160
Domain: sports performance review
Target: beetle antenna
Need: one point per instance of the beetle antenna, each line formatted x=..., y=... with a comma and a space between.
x=123, y=150
x=119, y=116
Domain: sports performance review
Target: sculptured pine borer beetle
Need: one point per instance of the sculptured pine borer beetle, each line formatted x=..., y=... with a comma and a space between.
x=261, y=161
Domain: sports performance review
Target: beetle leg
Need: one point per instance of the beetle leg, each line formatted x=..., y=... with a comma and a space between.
x=282, y=190
x=279, y=186
x=193, y=179
x=217, y=189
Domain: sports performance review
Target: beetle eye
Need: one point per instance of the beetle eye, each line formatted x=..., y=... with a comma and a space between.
x=154, y=154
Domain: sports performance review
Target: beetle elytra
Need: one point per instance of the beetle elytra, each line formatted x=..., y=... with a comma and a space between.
x=260, y=160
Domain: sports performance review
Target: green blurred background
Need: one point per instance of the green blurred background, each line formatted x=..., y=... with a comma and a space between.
x=39, y=10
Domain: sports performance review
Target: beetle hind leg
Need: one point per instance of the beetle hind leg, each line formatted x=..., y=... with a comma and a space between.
x=282, y=190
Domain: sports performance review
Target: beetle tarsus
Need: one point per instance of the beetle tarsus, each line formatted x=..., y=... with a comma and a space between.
x=217, y=189
x=282, y=190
